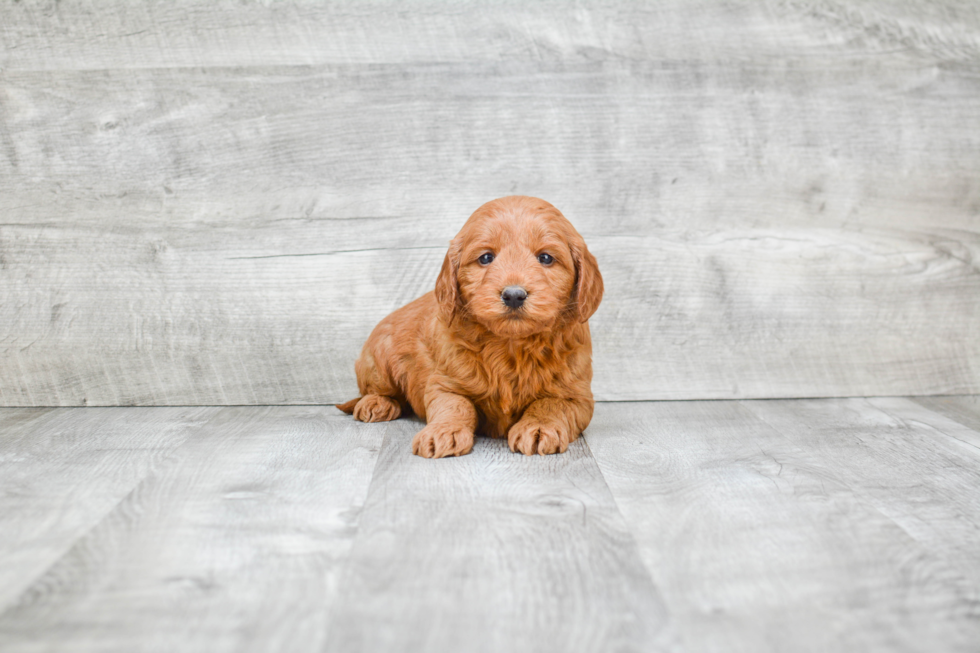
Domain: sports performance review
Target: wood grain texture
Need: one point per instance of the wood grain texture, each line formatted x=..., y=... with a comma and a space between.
x=276, y=315
x=965, y=410
x=63, y=470
x=493, y=551
x=100, y=34
x=214, y=203
x=927, y=420
x=898, y=458
x=236, y=546
x=818, y=525
x=774, y=539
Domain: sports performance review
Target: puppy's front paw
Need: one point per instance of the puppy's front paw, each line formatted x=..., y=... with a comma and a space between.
x=442, y=440
x=529, y=436
x=377, y=408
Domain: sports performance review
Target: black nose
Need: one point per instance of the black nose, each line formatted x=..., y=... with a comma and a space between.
x=514, y=296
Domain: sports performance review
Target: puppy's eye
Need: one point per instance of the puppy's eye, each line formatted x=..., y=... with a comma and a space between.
x=545, y=259
x=486, y=259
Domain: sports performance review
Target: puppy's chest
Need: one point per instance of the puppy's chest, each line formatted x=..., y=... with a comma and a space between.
x=511, y=381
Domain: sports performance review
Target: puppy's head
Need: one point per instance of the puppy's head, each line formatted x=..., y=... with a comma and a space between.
x=518, y=267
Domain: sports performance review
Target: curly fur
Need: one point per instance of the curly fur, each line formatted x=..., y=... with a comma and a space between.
x=465, y=362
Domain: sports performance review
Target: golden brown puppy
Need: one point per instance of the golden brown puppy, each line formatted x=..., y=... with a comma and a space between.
x=501, y=347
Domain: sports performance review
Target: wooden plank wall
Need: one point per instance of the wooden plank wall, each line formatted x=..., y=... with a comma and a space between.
x=213, y=203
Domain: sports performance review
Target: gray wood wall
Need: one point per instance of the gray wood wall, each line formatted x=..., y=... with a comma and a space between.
x=213, y=203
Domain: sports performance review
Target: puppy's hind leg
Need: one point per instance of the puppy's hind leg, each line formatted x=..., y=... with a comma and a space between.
x=379, y=402
x=372, y=408
x=376, y=408
x=348, y=406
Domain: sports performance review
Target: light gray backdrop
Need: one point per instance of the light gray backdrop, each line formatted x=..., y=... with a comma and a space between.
x=213, y=203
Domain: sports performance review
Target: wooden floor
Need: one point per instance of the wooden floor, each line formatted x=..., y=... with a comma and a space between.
x=790, y=525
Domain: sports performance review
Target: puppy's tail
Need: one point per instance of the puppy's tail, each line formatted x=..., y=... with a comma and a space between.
x=348, y=406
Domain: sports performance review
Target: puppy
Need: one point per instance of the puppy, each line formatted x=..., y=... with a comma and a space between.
x=501, y=347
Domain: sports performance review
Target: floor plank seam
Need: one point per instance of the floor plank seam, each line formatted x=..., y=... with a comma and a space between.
x=169, y=460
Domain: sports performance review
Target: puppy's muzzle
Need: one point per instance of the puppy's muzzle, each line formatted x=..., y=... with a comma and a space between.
x=513, y=296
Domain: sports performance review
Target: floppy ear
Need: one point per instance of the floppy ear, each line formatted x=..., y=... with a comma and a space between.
x=588, y=282
x=447, y=284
